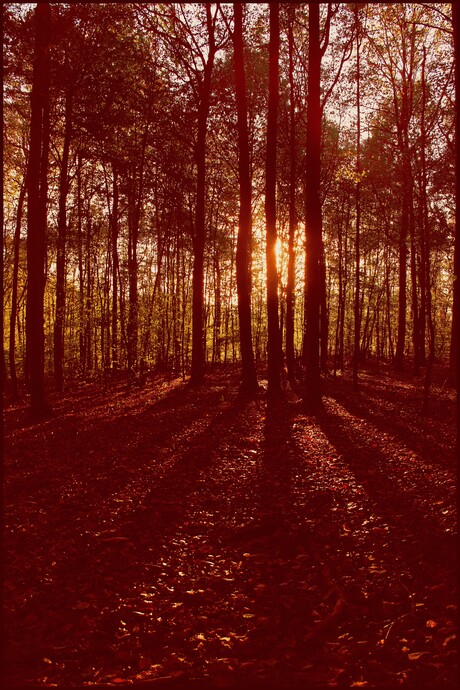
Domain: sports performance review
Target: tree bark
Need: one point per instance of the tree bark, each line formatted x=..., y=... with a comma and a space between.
x=133, y=233
x=37, y=217
x=115, y=267
x=402, y=277
x=248, y=370
x=357, y=319
x=81, y=277
x=273, y=343
x=313, y=220
x=199, y=235
x=455, y=349
x=14, y=296
x=59, y=322
x=290, y=300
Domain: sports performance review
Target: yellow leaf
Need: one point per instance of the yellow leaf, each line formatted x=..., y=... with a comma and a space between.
x=413, y=656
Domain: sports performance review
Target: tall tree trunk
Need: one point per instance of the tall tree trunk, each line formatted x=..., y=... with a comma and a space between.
x=199, y=235
x=133, y=232
x=59, y=322
x=14, y=296
x=115, y=265
x=89, y=297
x=273, y=341
x=455, y=349
x=290, y=304
x=134, y=219
x=81, y=282
x=37, y=217
x=216, y=357
x=313, y=221
x=403, y=116
x=340, y=297
x=248, y=369
x=426, y=315
x=357, y=319
x=416, y=313
x=323, y=316
x=402, y=278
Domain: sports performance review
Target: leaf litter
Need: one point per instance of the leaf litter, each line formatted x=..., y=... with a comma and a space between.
x=173, y=535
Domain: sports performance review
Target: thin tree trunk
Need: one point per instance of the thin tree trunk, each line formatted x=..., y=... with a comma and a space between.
x=273, y=343
x=402, y=278
x=455, y=349
x=61, y=251
x=37, y=216
x=217, y=308
x=324, y=320
x=290, y=303
x=248, y=370
x=133, y=231
x=14, y=296
x=357, y=319
x=199, y=236
x=416, y=314
x=313, y=221
x=89, y=296
x=388, y=309
x=340, y=297
x=81, y=295
x=115, y=265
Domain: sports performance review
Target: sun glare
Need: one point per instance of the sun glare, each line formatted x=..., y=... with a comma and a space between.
x=279, y=253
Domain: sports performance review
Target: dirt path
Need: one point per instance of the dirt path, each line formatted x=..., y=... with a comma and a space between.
x=178, y=537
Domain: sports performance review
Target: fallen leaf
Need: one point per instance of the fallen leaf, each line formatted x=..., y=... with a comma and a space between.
x=414, y=656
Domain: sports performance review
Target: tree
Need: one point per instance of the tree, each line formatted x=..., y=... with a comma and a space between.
x=273, y=343
x=37, y=188
x=357, y=314
x=61, y=247
x=456, y=304
x=313, y=220
x=248, y=371
x=455, y=356
x=290, y=296
x=14, y=295
x=199, y=235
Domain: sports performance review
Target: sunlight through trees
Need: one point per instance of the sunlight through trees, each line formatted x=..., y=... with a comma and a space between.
x=167, y=144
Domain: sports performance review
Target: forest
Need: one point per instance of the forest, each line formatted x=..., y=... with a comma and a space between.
x=230, y=357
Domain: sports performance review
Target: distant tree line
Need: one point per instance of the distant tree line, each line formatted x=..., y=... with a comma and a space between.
x=189, y=184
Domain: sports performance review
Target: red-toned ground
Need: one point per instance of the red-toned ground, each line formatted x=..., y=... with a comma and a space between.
x=174, y=537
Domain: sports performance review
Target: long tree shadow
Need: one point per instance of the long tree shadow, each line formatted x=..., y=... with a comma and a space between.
x=90, y=456
x=418, y=538
x=404, y=562
x=378, y=406
x=285, y=582
x=96, y=570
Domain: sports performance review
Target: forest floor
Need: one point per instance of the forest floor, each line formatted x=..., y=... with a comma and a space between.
x=173, y=537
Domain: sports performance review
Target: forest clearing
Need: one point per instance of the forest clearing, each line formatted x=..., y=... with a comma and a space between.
x=195, y=538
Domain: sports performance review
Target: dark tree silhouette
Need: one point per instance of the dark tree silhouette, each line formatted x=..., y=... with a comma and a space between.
x=37, y=216
x=357, y=315
x=273, y=344
x=61, y=247
x=248, y=369
x=290, y=352
x=313, y=222
x=199, y=237
x=456, y=305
